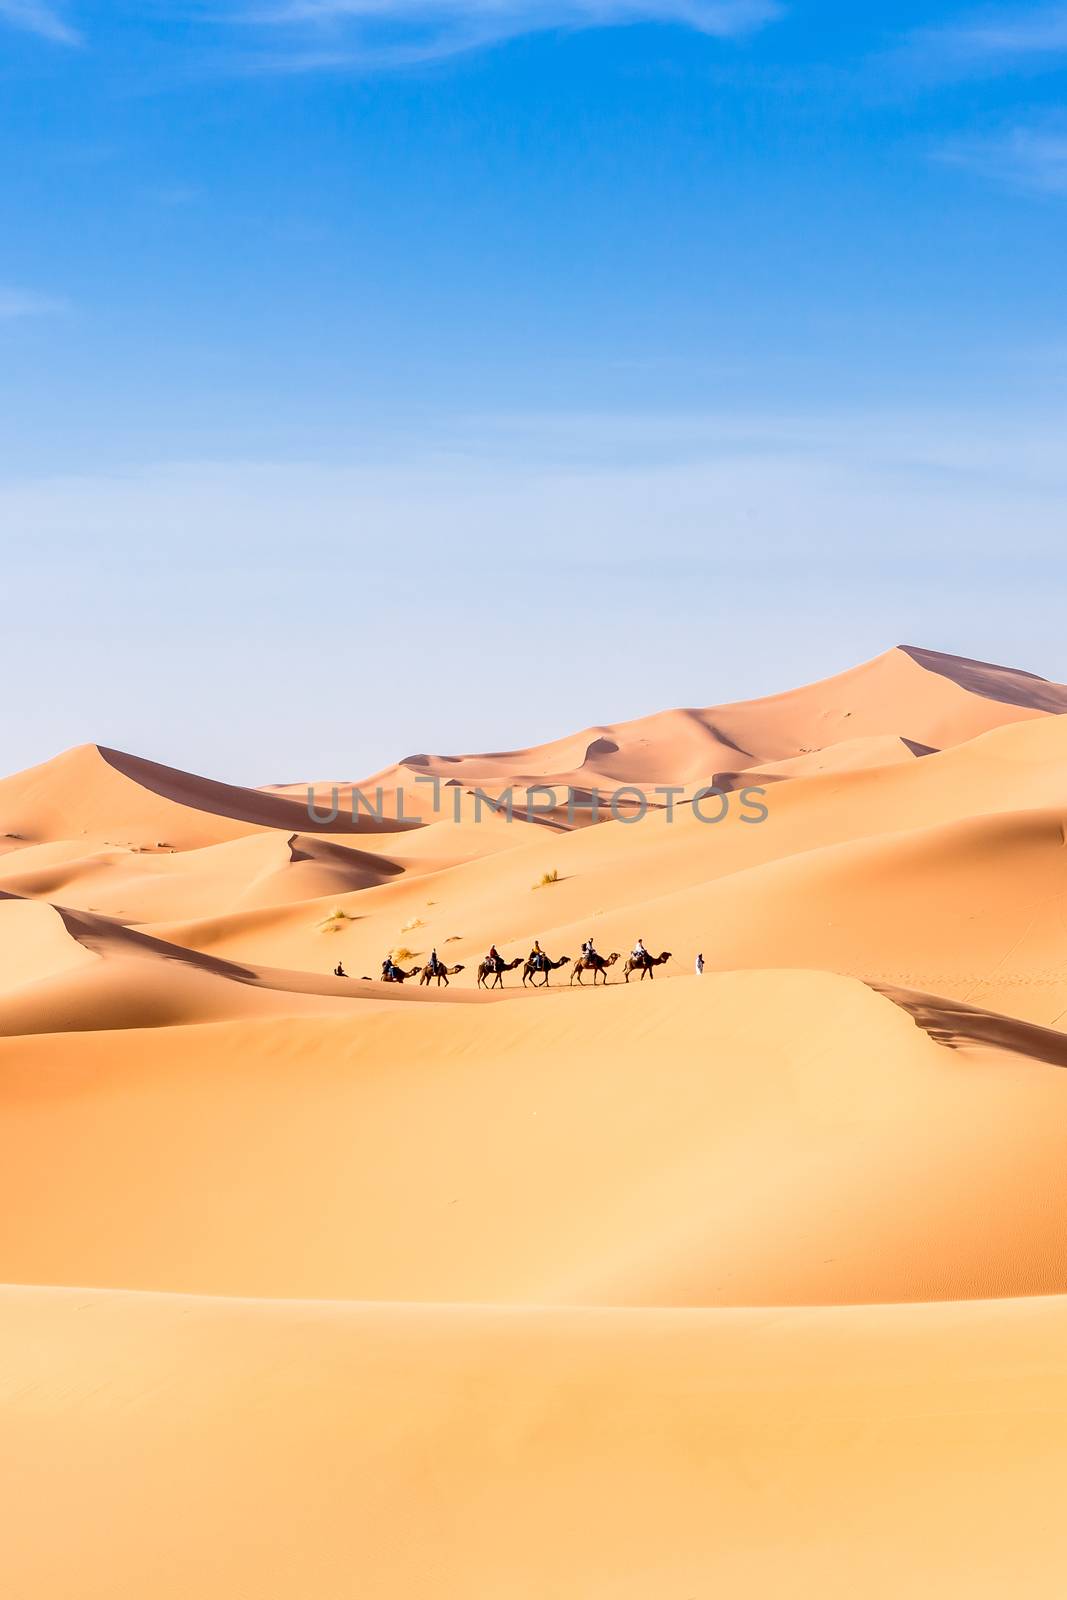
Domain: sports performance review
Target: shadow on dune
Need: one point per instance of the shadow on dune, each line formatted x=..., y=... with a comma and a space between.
x=103, y=938
x=721, y=736
x=106, y=937
x=240, y=805
x=364, y=867
x=956, y=1024
x=1009, y=685
x=751, y=778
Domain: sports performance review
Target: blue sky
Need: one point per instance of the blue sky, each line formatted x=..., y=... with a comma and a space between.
x=452, y=373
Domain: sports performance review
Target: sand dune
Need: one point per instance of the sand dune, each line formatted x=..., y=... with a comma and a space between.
x=606, y=1155
x=322, y=1450
x=944, y=874
x=139, y=981
x=261, y=869
x=974, y=910
x=104, y=795
x=904, y=703
x=1008, y=685
x=752, y=1282
x=922, y=696
x=960, y=1024
x=35, y=944
x=847, y=755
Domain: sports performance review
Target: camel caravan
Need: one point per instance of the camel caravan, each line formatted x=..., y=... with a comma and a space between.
x=434, y=970
x=537, y=967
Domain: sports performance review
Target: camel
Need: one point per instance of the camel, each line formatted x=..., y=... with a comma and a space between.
x=443, y=973
x=398, y=975
x=644, y=966
x=484, y=971
x=597, y=965
x=547, y=966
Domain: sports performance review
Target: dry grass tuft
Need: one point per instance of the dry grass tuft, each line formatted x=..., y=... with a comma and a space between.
x=333, y=923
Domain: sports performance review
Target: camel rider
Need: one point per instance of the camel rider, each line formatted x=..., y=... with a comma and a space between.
x=435, y=965
x=494, y=958
x=537, y=956
x=588, y=951
x=387, y=968
x=639, y=953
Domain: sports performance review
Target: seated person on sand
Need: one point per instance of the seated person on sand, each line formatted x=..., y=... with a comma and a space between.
x=339, y=971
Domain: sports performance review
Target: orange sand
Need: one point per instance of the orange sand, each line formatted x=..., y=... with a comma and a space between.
x=747, y=1284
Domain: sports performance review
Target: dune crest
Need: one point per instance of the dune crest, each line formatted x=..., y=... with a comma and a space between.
x=92, y=792
x=1006, y=684
x=905, y=701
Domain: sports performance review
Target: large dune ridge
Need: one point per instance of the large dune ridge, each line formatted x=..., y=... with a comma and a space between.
x=754, y=1282
x=905, y=702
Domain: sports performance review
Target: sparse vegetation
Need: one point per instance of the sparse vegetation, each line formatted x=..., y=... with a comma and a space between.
x=453, y=938
x=402, y=953
x=548, y=877
x=416, y=922
x=335, y=921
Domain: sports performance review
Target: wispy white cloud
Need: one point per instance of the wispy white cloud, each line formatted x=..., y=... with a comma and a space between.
x=1023, y=158
x=382, y=33
x=15, y=303
x=34, y=16
x=991, y=41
